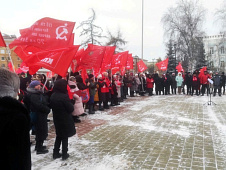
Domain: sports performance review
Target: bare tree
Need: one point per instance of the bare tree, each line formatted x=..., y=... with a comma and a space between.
x=183, y=24
x=91, y=31
x=220, y=15
x=117, y=40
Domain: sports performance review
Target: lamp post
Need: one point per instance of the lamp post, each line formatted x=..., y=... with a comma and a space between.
x=142, y=32
x=175, y=57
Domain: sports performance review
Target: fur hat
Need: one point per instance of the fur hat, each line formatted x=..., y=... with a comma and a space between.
x=9, y=83
x=34, y=83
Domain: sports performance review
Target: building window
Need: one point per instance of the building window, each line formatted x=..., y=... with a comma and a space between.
x=211, y=50
x=18, y=65
x=8, y=58
x=222, y=50
x=3, y=65
x=211, y=64
x=18, y=58
x=3, y=58
x=2, y=51
x=222, y=63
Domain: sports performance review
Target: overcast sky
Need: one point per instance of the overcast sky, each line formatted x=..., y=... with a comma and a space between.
x=125, y=15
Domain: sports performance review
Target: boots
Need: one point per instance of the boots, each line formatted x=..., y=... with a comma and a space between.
x=56, y=154
x=91, y=111
x=76, y=119
x=40, y=148
x=65, y=155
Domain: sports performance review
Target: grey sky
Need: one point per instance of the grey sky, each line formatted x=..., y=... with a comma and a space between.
x=111, y=14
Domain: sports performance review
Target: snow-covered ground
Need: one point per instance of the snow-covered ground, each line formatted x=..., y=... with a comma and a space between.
x=174, y=131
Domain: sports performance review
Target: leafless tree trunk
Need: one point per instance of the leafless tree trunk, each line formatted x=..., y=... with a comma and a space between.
x=183, y=24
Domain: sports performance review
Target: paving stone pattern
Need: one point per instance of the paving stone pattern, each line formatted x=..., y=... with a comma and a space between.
x=158, y=132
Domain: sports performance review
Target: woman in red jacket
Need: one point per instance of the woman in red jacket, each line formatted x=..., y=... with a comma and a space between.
x=150, y=84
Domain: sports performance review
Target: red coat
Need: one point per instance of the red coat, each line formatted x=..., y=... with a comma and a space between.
x=150, y=82
x=204, y=79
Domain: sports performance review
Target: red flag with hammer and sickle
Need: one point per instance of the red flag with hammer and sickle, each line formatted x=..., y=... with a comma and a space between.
x=141, y=66
x=162, y=65
x=46, y=34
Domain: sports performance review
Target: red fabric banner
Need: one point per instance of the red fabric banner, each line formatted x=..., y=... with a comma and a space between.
x=57, y=61
x=2, y=41
x=109, y=52
x=141, y=66
x=179, y=68
x=119, y=59
x=92, y=57
x=47, y=34
x=162, y=65
x=129, y=64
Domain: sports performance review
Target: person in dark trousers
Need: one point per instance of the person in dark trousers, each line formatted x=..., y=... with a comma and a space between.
x=217, y=84
x=223, y=78
x=173, y=84
x=195, y=84
x=62, y=118
x=92, y=88
x=188, y=82
x=14, y=125
x=40, y=110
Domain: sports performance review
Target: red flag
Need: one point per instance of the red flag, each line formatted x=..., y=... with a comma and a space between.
x=2, y=41
x=115, y=70
x=162, y=65
x=57, y=61
x=24, y=67
x=179, y=68
x=77, y=60
x=106, y=64
x=92, y=57
x=129, y=64
x=119, y=59
x=47, y=34
x=141, y=66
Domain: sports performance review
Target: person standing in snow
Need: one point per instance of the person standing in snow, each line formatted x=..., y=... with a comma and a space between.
x=39, y=107
x=179, y=80
x=62, y=118
x=14, y=125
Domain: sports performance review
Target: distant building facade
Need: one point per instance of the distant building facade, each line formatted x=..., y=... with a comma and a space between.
x=4, y=53
x=215, y=49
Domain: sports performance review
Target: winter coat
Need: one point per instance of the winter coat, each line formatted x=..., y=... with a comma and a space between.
x=118, y=86
x=195, y=82
x=179, y=80
x=62, y=110
x=204, y=79
x=14, y=134
x=143, y=84
x=78, y=106
x=188, y=80
x=39, y=106
x=223, y=78
x=137, y=83
x=173, y=82
x=150, y=82
x=216, y=81
x=92, y=88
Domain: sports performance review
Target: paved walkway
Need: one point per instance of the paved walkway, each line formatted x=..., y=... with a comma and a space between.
x=158, y=132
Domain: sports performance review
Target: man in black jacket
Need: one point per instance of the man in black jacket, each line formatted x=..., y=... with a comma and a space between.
x=223, y=78
x=14, y=125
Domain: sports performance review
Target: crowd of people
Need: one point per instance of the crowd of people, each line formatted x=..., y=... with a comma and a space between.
x=39, y=95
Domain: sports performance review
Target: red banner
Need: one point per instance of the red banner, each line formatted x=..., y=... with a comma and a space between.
x=57, y=61
x=129, y=64
x=141, y=66
x=162, y=65
x=2, y=41
x=47, y=34
x=179, y=68
x=109, y=52
x=92, y=57
x=119, y=59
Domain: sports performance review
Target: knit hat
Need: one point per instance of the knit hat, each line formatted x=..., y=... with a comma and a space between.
x=34, y=83
x=99, y=76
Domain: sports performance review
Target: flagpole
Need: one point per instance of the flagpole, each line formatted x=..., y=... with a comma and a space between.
x=10, y=59
x=142, y=41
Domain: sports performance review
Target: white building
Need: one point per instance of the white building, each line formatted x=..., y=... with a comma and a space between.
x=215, y=49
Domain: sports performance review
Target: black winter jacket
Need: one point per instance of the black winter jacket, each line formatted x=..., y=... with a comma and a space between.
x=14, y=135
x=62, y=117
